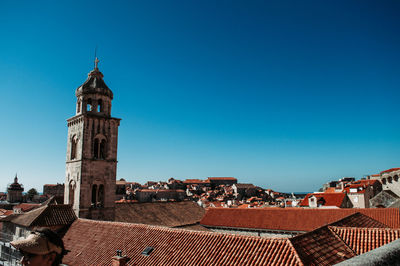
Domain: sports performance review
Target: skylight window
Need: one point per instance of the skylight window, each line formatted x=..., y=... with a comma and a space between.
x=147, y=251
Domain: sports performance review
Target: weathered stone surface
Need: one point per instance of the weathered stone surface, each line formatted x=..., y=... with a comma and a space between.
x=92, y=143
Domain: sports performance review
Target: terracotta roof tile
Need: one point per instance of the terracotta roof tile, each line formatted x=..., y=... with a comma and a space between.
x=321, y=247
x=169, y=214
x=171, y=246
x=360, y=185
x=222, y=178
x=49, y=215
x=330, y=199
x=359, y=220
x=4, y=212
x=362, y=240
x=390, y=170
x=196, y=181
x=288, y=218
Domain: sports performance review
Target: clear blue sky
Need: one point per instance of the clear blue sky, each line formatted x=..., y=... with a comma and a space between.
x=283, y=94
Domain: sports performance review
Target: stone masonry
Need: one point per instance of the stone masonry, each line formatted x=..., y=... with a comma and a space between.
x=91, y=163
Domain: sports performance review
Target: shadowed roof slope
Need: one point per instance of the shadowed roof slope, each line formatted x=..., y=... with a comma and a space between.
x=50, y=215
x=329, y=245
x=321, y=247
x=292, y=219
x=171, y=214
x=95, y=242
x=359, y=220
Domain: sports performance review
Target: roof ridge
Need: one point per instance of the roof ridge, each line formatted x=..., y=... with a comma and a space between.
x=364, y=228
x=295, y=252
x=342, y=240
x=45, y=209
x=169, y=229
x=355, y=214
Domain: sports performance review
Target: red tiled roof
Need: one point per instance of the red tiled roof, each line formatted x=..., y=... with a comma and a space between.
x=359, y=220
x=321, y=247
x=222, y=178
x=171, y=246
x=363, y=184
x=196, y=181
x=49, y=215
x=362, y=240
x=389, y=170
x=4, y=212
x=288, y=218
x=171, y=214
x=330, y=199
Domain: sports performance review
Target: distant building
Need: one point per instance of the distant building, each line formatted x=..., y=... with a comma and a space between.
x=384, y=199
x=248, y=190
x=14, y=191
x=390, y=180
x=216, y=181
x=149, y=195
x=54, y=190
x=122, y=188
x=360, y=192
x=327, y=200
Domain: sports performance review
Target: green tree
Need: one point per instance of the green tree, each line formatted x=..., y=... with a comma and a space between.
x=31, y=193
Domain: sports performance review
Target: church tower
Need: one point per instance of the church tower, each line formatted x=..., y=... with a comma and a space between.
x=91, y=165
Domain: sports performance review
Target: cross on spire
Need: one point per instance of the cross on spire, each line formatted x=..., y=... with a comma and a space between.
x=96, y=62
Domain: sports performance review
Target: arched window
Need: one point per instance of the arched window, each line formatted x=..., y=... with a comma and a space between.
x=89, y=105
x=74, y=143
x=100, y=148
x=390, y=179
x=71, y=193
x=100, y=106
x=78, y=107
x=100, y=196
x=396, y=178
x=384, y=181
x=94, y=195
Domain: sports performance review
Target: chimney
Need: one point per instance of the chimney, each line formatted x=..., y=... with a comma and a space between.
x=119, y=260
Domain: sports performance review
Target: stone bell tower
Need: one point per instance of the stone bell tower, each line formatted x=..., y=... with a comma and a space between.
x=91, y=165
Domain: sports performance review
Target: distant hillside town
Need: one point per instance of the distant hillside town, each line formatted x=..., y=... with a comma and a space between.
x=375, y=191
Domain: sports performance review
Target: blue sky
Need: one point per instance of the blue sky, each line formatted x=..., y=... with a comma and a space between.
x=283, y=94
